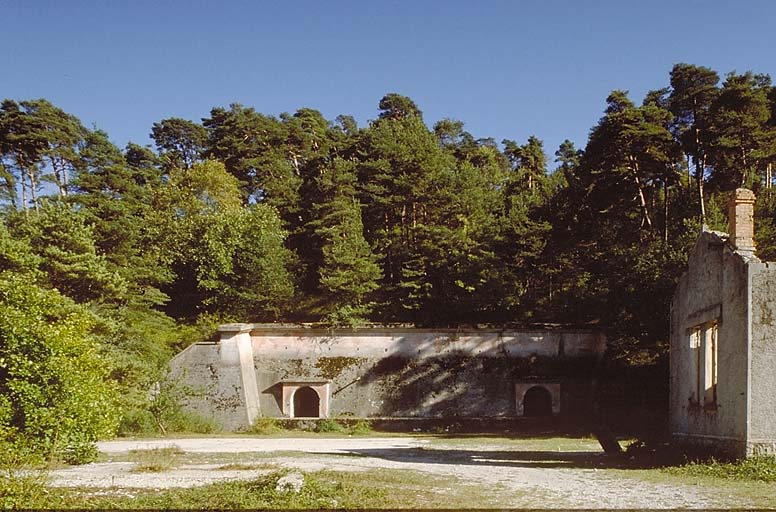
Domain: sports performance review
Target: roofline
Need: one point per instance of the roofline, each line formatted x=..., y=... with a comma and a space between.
x=312, y=327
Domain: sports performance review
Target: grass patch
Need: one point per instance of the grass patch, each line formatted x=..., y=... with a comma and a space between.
x=762, y=468
x=321, y=490
x=155, y=460
x=238, y=466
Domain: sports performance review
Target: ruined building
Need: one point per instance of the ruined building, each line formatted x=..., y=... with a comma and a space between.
x=283, y=371
x=723, y=342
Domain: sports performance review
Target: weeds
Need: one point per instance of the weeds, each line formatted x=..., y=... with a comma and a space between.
x=329, y=426
x=19, y=486
x=155, y=460
x=762, y=468
x=237, y=466
x=319, y=491
x=265, y=426
x=361, y=428
x=271, y=426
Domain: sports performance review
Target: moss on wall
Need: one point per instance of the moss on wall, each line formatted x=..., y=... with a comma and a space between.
x=332, y=367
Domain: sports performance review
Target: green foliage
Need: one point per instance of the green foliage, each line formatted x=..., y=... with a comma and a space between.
x=65, y=246
x=19, y=488
x=329, y=425
x=265, y=426
x=227, y=258
x=180, y=142
x=349, y=272
x=361, y=428
x=54, y=387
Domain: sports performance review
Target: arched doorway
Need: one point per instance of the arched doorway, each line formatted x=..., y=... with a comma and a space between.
x=307, y=403
x=537, y=401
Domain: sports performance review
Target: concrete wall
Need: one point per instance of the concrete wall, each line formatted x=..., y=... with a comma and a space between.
x=762, y=427
x=714, y=288
x=213, y=373
x=390, y=372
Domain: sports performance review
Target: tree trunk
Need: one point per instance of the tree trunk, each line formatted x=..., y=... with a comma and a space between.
x=665, y=210
x=700, y=161
x=23, y=176
x=700, y=164
x=33, y=191
x=634, y=168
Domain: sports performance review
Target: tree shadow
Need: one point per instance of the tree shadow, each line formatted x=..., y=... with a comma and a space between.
x=537, y=459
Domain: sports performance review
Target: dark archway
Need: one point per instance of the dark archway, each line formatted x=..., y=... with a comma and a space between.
x=537, y=401
x=307, y=403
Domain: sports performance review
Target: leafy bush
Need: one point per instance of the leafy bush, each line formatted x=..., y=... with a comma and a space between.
x=54, y=387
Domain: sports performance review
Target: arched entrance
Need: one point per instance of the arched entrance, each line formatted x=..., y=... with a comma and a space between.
x=537, y=402
x=307, y=403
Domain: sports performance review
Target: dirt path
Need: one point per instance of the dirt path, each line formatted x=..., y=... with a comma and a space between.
x=513, y=477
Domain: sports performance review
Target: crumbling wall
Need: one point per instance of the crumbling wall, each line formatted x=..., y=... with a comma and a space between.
x=714, y=288
x=214, y=384
x=762, y=388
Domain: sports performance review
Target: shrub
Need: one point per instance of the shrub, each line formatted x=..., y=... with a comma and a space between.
x=54, y=390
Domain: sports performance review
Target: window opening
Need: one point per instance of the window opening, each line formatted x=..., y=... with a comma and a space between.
x=703, y=364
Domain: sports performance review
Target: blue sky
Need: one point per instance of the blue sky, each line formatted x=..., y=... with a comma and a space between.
x=507, y=69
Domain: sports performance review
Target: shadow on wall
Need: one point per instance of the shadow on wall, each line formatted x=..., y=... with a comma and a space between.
x=459, y=384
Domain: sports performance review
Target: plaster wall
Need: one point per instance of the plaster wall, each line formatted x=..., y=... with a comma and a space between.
x=389, y=372
x=714, y=288
x=379, y=343
x=212, y=372
x=762, y=428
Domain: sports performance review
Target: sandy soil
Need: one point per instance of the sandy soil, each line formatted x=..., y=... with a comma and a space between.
x=513, y=477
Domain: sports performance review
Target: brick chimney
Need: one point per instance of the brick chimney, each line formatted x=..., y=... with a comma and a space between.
x=741, y=220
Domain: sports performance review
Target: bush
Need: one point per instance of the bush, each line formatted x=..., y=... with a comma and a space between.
x=55, y=393
x=137, y=421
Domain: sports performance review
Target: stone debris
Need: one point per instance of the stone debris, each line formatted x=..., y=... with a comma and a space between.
x=292, y=482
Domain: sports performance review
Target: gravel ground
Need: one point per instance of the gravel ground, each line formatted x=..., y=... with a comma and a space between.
x=513, y=477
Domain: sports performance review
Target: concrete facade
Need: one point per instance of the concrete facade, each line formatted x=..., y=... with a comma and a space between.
x=275, y=371
x=723, y=343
